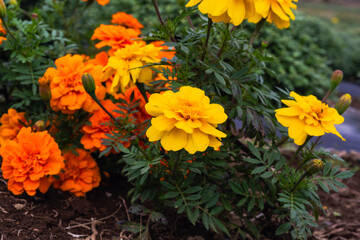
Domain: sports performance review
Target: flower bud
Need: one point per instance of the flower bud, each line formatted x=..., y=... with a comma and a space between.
x=343, y=103
x=88, y=83
x=264, y=44
x=34, y=16
x=2, y=9
x=44, y=88
x=314, y=166
x=13, y=3
x=39, y=126
x=336, y=78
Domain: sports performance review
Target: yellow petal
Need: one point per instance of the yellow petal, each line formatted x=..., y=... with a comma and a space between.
x=174, y=140
x=163, y=123
x=198, y=141
x=153, y=134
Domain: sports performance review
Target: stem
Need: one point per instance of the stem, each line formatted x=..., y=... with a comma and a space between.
x=103, y=108
x=316, y=142
x=299, y=149
x=299, y=181
x=190, y=22
x=208, y=30
x=7, y=29
x=257, y=31
x=223, y=44
x=176, y=163
x=282, y=141
x=326, y=96
x=156, y=6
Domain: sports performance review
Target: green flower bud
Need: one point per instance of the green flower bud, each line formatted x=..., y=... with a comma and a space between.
x=343, y=103
x=44, y=88
x=88, y=83
x=2, y=9
x=314, y=166
x=39, y=126
x=336, y=78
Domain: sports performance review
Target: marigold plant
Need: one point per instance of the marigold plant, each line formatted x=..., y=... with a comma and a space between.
x=29, y=160
x=308, y=116
x=10, y=124
x=185, y=119
x=67, y=92
x=80, y=173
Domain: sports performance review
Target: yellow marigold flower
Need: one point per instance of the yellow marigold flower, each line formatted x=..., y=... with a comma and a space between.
x=308, y=116
x=228, y=11
x=185, y=119
x=28, y=161
x=277, y=11
x=129, y=61
x=10, y=124
x=80, y=174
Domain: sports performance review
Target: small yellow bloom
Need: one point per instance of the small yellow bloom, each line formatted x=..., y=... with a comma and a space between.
x=308, y=116
x=185, y=119
x=127, y=65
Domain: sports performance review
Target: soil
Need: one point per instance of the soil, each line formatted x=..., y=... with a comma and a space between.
x=59, y=215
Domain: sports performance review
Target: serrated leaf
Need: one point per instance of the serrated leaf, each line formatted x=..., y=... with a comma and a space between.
x=252, y=160
x=251, y=204
x=283, y=228
x=259, y=170
x=193, y=216
x=221, y=226
x=170, y=195
x=266, y=174
x=216, y=210
x=226, y=204
x=345, y=174
x=331, y=185
x=193, y=197
x=235, y=187
x=205, y=220
x=192, y=190
x=241, y=202
x=254, y=150
x=323, y=186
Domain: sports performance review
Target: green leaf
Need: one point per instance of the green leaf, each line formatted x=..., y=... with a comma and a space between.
x=259, y=170
x=251, y=204
x=216, y=210
x=331, y=185
x=220, y=79
x=235, y=187
x=221, y=226
x=252, y=160
x=226, y=204
x=241, y=202
x=193, y=197
x=170, y=195
x=283, y=228
x=254, y=150
x=345, y=174
x=193, y=216
x=266, y=174
x=192, y=190
x=205, y=220
x=323, y=186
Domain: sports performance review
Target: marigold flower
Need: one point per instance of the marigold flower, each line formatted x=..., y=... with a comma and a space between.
x=2, y=29
x=116, y=37
x=127, y=65
x=166, y=52
x=277, y=11
x=100, y=2
x=308, y=116
x=185, y=119
x=126, y=20
x=230, y=11
x=67, y=91
x=2, y=39
x=80, y=174
x=100, y=125
x=10, y=124
x=28, y=161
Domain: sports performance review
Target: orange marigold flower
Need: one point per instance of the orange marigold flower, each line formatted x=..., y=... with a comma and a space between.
x=10, y=124
x=2, y=29
x=28, y=161
x=166, y=52
x=126, y=20
x=80, y=174
x=100, y=124
x=114, y=36
x=100, y=2
x=67, y=91
x=2, y=39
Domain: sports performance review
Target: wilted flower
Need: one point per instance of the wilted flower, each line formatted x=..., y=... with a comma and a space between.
x=185, y=119
x=100, y=125
x=10, y=124
x=67, y=91
x=28, y=161
x=308, y=116
x=230, y=11
x=80, y=174
x=127, y=65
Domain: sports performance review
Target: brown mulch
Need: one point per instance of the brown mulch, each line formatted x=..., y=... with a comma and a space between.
x=59, y=215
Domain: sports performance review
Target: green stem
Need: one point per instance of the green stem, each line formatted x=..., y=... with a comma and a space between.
x=316, y=142
x=176, y=164
x=223, y=44
x=103, y=108
x=299, y=181
x=326, y=96
x=7, y=29
x=208, y=30
x=257, y=31
x=299, y=149
x=158, y=14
